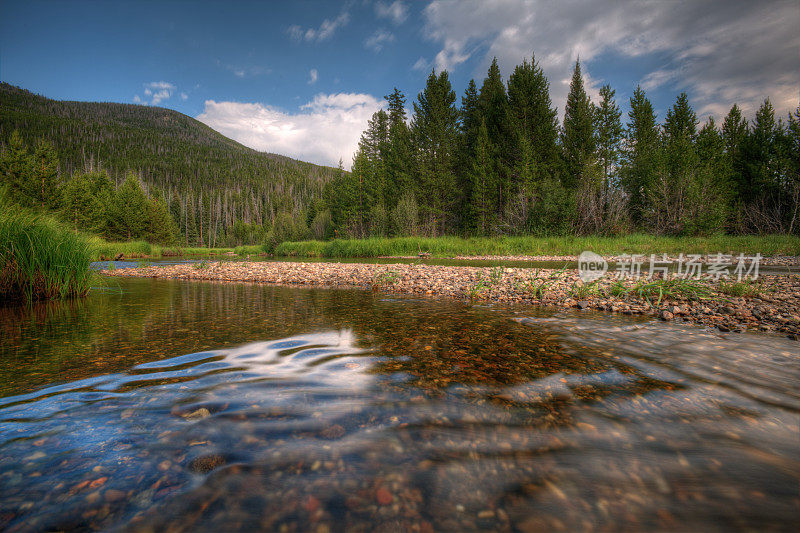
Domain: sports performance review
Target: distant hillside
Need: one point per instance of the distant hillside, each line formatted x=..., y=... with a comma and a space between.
x=188, y=161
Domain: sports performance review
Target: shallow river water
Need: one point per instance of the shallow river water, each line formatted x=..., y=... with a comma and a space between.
x=187, y=406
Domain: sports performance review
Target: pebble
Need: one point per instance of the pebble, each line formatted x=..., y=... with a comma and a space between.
x=383, y=496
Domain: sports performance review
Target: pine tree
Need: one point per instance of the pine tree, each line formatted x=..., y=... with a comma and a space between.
x=537, y=119
x=161, y=227
x=642, y=156
x=609, y=138
x=397, y=109
x=435, y=133
x=709, y=192
x=669, y=194
x=370, y=167
x=129, y=210
x=16, y=171
x=79, y=204
x=481, y=178
x=396, y=153
x=767, y=187
x=577, y=137
x=734, y=135
x=470, y=125
x=495, y=111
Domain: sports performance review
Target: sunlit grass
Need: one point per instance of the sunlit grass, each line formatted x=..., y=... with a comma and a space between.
x=766, y=245
x=746, y=288
x=41, y=259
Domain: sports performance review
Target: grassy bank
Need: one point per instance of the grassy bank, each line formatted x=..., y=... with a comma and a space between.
x=104, y=250
x=768, y=245
x=41, y=259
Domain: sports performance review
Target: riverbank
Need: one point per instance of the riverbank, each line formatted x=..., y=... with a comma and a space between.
x=40, y=259
x=770, y=304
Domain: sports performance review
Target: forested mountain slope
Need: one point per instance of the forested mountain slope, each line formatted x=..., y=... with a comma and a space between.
x=198, y=170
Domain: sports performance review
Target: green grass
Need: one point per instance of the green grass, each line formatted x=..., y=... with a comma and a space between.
x=105, y=250
x=766, y=245
x=303, y=249
x=134, y=249
x=41, y=259
x=746, y=288
x=580, y=291
x=671, y=288
x=384, y=279
x=254, y=249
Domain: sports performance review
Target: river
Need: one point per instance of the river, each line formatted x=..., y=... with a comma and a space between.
x=157, y=405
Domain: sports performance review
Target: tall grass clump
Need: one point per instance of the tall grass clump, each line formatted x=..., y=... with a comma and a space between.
x=39, y=258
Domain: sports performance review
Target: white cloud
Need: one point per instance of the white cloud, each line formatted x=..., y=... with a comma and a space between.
x=322, y=131
x=421, y=64
x=397, y=11
x=313, y=75
x=156, y=92
x=741, y=51
x=323, y=33
x=242, y=71
x=377, y=40
x=184, y=96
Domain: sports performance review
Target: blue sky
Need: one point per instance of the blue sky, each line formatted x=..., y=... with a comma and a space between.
x=302, y=78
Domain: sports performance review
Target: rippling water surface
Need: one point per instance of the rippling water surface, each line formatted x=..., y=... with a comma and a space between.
x=196, y=406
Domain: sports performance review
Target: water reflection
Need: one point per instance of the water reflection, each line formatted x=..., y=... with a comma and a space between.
x=198, y=406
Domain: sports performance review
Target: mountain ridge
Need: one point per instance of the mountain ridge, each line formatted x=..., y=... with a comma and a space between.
x=190, y=163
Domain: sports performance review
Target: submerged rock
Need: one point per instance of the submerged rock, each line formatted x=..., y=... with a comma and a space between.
x=207, y=463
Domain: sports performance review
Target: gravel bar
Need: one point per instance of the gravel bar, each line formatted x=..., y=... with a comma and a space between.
x=775, y=306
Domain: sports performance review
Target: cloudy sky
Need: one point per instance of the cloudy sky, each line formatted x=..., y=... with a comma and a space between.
x=302, y=78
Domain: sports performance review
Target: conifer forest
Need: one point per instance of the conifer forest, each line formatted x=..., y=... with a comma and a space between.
x=495, y=162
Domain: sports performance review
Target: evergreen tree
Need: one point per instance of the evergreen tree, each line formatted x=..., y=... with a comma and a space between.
x=709, y=192
x=78, y=202
x=481, y=178
x=128, y=214
x=397, y=107
x=642, y=155
x=374, y=147
x=734, y=134
x=537, y=119
x=609, y=138
x=495, y=111
x=577, y=137
x=435, y=132
x=669, y=194
x=398, y=164
x=768, y=194
x=470, y=125
x=161, y=227
x=759, y=152
x=16, y=171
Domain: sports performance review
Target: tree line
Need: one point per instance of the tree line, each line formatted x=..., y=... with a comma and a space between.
x=499, y=163
x=218, y=192
x=88, y=201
